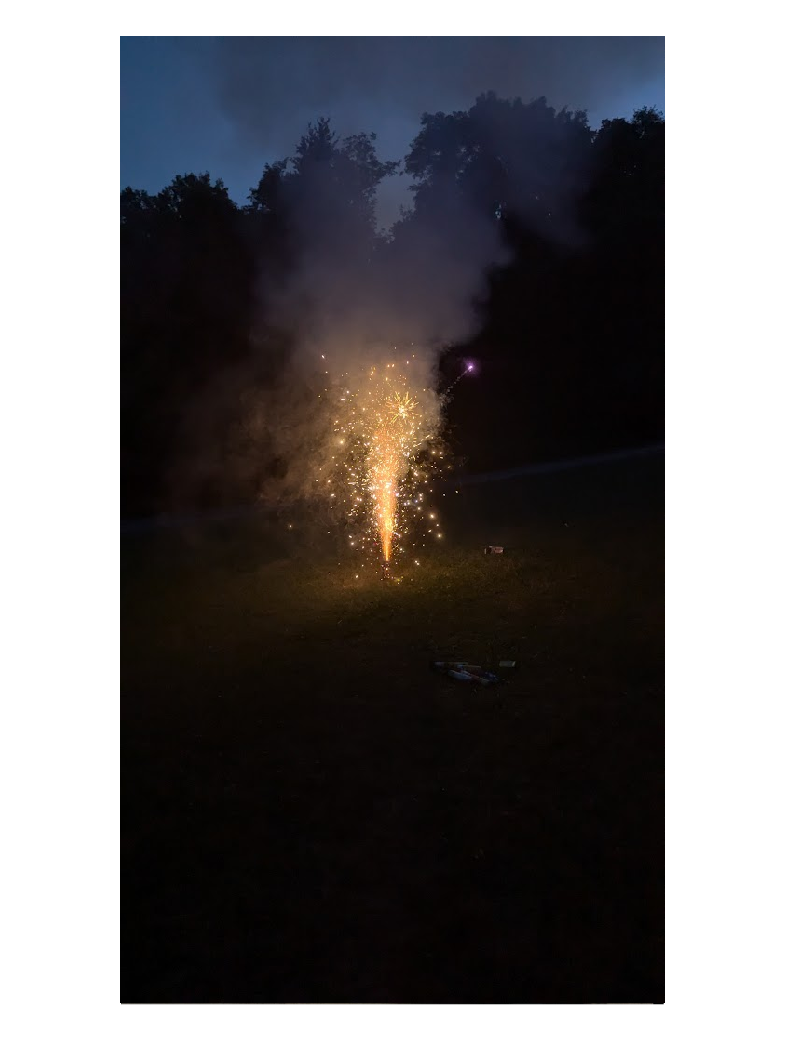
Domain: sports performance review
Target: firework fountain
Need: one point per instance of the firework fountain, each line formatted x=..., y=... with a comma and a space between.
x=386, y=450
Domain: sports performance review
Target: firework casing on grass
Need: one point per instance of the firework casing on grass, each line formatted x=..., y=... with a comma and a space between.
x=493, y=550
x=482, y=678
x=460, y=671
x=456, y=665
x=486, y=677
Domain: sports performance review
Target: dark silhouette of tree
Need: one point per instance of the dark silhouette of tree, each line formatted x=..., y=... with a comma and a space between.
x=185, y=285
x=319, y=208
x=510, y=158
x=327, y=188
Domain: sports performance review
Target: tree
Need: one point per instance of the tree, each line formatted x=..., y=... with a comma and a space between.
x=319, y=205
x=328, y=183
x=511, y=159
x=185, y=285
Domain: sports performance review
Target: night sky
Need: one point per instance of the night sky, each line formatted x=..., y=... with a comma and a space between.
x=230, y=105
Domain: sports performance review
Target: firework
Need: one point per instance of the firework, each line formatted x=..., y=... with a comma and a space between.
x=386, y=447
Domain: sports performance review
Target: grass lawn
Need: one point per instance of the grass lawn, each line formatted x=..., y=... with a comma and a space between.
x=312, y=815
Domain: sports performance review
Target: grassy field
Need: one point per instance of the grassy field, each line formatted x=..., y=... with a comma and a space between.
x=312, y=815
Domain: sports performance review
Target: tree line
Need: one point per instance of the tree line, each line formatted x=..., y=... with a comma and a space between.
x=549, y=232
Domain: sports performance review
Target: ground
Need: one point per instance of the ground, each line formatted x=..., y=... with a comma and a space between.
x=310, y=814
